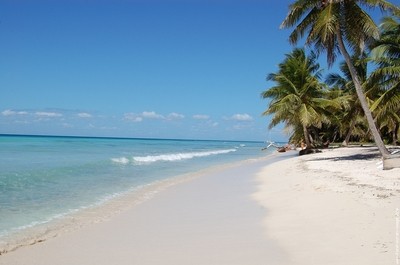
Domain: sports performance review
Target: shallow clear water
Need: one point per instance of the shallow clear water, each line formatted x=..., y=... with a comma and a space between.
x=42, y=178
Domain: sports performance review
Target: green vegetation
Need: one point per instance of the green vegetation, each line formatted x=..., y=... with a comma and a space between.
x=354, y=105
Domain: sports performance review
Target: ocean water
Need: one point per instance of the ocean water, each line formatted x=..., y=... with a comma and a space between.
x=45, y=178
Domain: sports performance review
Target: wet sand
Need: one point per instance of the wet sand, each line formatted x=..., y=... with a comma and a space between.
x=210, y=219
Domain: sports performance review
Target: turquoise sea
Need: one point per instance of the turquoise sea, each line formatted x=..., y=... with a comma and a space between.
x=46, y=178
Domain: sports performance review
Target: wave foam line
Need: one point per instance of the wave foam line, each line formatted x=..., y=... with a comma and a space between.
x=179, y=156
x=120, y=160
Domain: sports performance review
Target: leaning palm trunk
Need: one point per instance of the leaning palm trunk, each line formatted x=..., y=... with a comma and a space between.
x=394, y=134
x=347, y=139
x=306, y=136
x=329, y=24
x=361, y=97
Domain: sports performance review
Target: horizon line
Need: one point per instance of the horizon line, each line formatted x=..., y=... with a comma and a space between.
x=122, y=137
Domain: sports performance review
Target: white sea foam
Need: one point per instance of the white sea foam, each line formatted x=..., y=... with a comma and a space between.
x=120, y=160
x=72, y=164
x=179, y=156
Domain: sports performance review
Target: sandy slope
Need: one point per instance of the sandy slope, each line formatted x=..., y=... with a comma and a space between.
x=335, y=207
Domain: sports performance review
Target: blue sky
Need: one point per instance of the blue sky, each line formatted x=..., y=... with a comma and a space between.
x=186, y=69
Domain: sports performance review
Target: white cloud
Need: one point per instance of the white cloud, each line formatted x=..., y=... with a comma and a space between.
x=21, y=122
x=137, y=119
x=241, y=117
x=67, y=125
x=108, y=128
x=9, y=112
x=175, y=116
x=201, y=117
x=132, y=117
x=48, y=114
x=241, y=126
x=84, y=115
x=151, y=115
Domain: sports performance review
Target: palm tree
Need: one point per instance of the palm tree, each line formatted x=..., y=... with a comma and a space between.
x=353, y=114
x=388, y=46
x=297, y=99
x=386, y=54
x=333, y=25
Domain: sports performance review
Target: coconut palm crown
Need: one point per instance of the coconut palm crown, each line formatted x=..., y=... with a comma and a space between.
x=333, y=26
x=297, y=98
x=386, y=54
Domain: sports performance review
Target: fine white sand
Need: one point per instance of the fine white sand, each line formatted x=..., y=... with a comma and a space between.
x=211, y=220
x=336, y=207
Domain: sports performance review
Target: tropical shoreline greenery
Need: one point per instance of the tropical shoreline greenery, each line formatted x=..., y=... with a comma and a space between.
x=357, y=104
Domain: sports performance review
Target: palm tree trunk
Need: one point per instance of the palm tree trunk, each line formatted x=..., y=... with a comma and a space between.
x=306, y=136
x=363, y=101
x=347, y=139
x=394, y=134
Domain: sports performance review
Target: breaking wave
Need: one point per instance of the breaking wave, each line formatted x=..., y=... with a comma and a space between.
x=120, y=160
x=169, y=157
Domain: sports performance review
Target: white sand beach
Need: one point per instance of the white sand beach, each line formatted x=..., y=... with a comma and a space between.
x=335, y=207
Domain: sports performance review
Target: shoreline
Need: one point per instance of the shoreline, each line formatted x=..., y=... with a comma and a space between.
x=105, y=210
x=210, y=219
x=334, y=207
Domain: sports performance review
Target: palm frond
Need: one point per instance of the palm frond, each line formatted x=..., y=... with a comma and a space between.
x=296, y=11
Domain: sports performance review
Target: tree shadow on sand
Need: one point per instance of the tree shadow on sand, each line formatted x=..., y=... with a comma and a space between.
x=368, y=155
